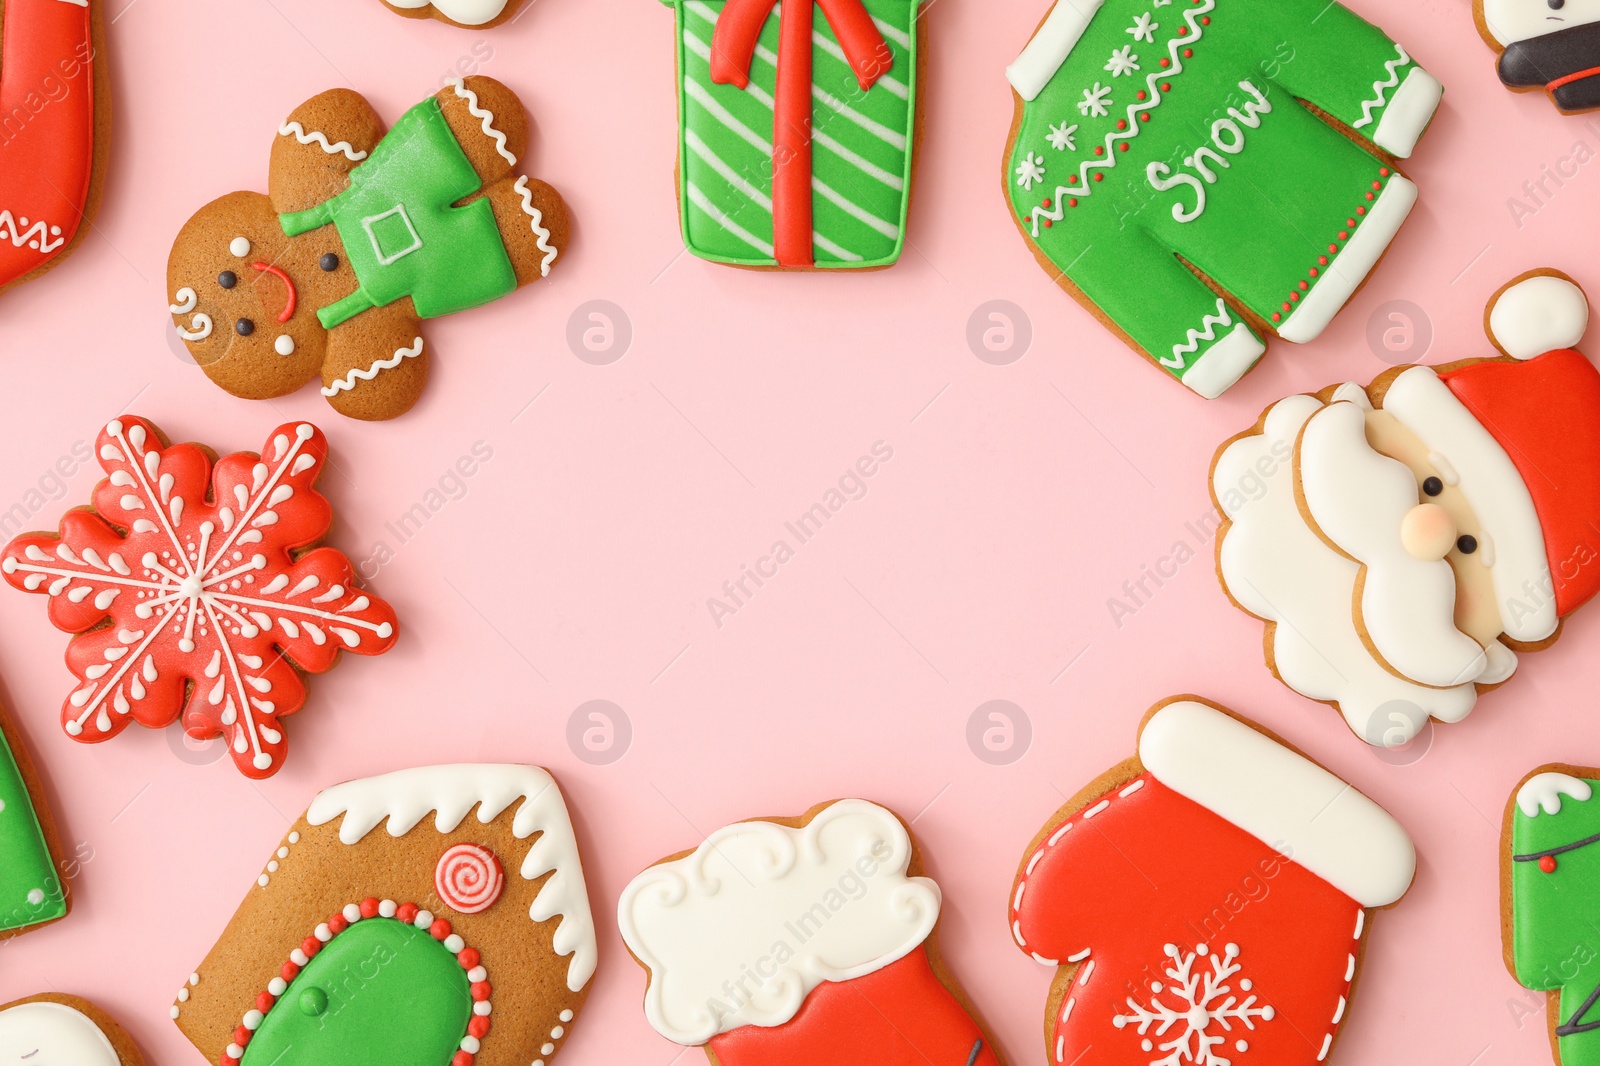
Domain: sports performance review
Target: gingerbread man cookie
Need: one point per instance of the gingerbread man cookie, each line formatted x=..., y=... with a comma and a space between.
x=442, y=941
x=1206, y=901
x=362, y=236
x=55, y=140
x=810, y=939
x=1404, y=542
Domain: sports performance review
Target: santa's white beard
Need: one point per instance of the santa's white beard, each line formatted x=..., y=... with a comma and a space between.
x=1358, y=499
x=1276, y=567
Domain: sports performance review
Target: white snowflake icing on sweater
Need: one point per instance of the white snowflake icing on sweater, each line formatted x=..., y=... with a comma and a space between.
x=1096, y=102
x=1123, y=61
x=1030, y=170
x=1061, y=138
x=1205, y=1006
x=1143, y=29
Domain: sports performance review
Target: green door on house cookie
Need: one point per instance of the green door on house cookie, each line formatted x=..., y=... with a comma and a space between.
x=381, y=993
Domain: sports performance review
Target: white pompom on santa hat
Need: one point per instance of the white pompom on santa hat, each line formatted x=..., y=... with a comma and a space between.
x=1536, y=314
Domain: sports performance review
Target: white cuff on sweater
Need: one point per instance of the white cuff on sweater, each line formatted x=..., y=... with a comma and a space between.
x=1408, y=113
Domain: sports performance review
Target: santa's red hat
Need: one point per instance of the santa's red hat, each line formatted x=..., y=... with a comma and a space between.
x=1521, y=439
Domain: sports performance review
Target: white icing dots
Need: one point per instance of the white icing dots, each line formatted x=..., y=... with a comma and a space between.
x=284, y=345
x=566, y=1016
x=240, y=247
x=36, y=896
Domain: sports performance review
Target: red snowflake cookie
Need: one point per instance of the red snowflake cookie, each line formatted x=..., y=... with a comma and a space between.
x=187, y=574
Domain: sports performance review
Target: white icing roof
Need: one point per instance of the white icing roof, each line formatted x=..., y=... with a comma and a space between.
x=405, y=797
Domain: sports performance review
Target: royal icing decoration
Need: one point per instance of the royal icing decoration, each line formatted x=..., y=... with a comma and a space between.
x=466, y=12
x=1184, y=112
x=31, y=891
x=1440, y=506
x=188, y=595
x=47, y=152
x=1547, y=45
x=469, y=879
x=401, y=800
x=1552, y=871
x=1280, y=861
x=798, y=131
x=48, y=1032
x=771, y=943
x=424, y=221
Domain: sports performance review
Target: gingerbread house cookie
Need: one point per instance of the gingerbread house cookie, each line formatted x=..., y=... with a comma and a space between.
x=450, y=941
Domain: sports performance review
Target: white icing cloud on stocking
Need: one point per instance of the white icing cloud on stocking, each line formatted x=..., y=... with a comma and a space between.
x=742, y=930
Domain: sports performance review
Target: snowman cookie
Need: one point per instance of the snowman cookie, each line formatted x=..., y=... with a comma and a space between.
x=1550, y=887
x=1405, y=542
x=801, y=940
x=363, y=235
x=1206, y=901
x=56, y=1030
x=379, y=936
x=1546, y=45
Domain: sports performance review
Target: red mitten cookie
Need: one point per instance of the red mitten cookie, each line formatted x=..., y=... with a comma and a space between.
x=801, y=940
x=362, y=236
x=1205, y=899
x=56, y=103
x=1405, y=541
x=442, y=941
x=50, y=1029
x=196, y=590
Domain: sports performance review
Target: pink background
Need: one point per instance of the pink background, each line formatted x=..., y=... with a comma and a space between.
x=579, y=562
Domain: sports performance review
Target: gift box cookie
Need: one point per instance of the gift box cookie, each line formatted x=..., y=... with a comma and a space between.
x=807, y=939
x=1200, y=174
x=376, y=935
x=797, y=130
x=1406, y=542
x=1207, y=901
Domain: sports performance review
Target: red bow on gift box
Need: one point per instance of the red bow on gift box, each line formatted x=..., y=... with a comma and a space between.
x=733, y=48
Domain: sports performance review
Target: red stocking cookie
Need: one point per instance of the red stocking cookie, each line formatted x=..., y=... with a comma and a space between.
x=1406, y=541
x=196, y=590
x=1206, y=901
x=361, y=237
x=57, y=120
x=801, y=940
x=380, y=935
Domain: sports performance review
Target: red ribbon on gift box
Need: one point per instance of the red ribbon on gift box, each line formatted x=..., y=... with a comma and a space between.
x=733, y=49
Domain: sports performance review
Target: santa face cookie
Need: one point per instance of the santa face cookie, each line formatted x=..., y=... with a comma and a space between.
x=55, y=1030
x=1207, y=901
x=361, y=237
x=801, y=940
x=196, y=590
x=1143, y=126
x=378, y=936
x=469, y=14
x=1548, y=45
x=1550, y=887
x=1404, y=541
x=53, y=152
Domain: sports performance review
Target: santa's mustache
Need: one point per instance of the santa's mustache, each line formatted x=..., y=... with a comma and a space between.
x=1356, y=499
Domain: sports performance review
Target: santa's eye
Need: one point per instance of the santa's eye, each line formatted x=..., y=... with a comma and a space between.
x=244, y=327
x=227, y=279
x=1467, y=543
x=1432, y=486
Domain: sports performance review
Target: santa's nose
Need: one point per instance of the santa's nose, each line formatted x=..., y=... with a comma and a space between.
x=1428, y=532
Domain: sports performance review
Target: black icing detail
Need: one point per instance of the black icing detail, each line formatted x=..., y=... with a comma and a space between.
x=1557, y=5
x=244, y=327
x=328, y=262
x=977, y=1049
x=227, y=279
x=1535, y=856
x=1432, y=486
x=1538, y=61
x=1467, y=543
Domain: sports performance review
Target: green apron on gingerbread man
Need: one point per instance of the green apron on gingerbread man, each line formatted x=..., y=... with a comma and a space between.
x=1555, y=904
x=402, y=232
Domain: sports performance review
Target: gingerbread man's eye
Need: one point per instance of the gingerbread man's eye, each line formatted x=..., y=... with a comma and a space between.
x=239, y=246
x=329, y=262
x=1467, y=543
x=1432, y=486
x=227, y=279
x=244, y=327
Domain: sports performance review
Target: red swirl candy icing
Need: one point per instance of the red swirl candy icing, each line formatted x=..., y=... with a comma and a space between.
x=469, y=879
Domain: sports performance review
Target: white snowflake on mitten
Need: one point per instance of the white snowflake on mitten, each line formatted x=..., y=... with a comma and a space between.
x=1204, y=1000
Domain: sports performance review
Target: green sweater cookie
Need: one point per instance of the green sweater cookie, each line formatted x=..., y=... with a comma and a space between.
x=1161, y=139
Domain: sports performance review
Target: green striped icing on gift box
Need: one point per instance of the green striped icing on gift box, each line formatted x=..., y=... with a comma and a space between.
x=861, y=150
